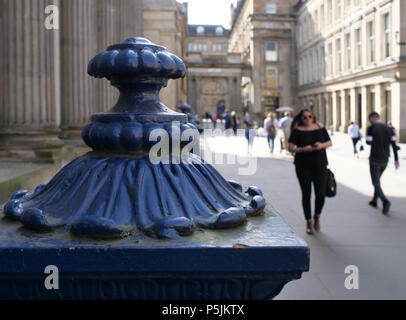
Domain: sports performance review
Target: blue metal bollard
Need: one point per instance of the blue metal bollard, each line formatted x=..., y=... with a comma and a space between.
x=119, y=226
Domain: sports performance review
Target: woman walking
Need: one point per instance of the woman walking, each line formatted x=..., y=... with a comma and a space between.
x=308, y=142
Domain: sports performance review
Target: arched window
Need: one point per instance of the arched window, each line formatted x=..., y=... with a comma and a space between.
x=200, y=30
x=219, y=31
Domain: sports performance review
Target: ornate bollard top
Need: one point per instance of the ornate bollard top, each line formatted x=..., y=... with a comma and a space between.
x=139, y=69
x=134, y=58
x=116, y=189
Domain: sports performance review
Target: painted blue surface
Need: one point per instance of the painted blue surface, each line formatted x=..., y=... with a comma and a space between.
x=119, y=226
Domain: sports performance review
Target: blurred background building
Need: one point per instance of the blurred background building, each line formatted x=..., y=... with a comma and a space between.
x=351, y=56
x=214, y=73
x=263, y=33
x=342, y=58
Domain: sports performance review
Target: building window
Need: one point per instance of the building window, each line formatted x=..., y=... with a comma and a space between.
x=219, y=31
x=348, y=50
x=387, y=35
x=339, y=56
x=358, y=47
x=271, y=53
x=190, y=47
x=271, y=7
x=371, y=34
x=271, y=77
x=204, y=46
x=200, y=30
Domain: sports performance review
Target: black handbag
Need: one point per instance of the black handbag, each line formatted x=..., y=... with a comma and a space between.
x=331, y=186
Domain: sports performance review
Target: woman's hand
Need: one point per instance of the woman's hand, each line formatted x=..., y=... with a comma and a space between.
x=318, y=146
x=308, y=148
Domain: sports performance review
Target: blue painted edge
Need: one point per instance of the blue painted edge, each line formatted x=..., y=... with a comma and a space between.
x=141, y=260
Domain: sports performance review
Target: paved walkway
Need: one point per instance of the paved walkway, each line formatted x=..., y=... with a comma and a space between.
x=352, y=232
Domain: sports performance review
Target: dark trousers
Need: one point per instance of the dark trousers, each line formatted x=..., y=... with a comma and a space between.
x=354, y=142
x=306, y=175
x=271, y=139
x=376, y=169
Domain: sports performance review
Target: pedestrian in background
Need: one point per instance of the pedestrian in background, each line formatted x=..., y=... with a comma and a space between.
x=285, y=125
x=227, y=120
x=270, y=127
x=308, y=142
x=355, y=135
x=380, y=137
x=234, y=122
x=247, y=118
x=249, y=135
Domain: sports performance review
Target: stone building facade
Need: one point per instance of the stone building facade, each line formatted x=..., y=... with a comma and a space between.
x=45, y=92
x=351, y=57
x=263, y=32
x=164, y=23
x=214, y=74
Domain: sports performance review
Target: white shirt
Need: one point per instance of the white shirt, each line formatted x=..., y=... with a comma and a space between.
x=353, y=131
x=285, y=123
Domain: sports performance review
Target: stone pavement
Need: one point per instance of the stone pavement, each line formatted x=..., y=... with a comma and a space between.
x=353, y=233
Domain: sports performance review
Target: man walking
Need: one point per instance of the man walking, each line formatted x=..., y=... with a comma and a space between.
x=284, y=125
x=379, y=137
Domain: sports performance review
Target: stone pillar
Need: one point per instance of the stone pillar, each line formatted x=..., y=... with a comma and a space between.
x=398, y=109
x=379, y=105
x=230, y=91
x=364, y=108
x=78, y=45
x=328, y=109
x=237, y=95
x=88, y=27
x=198, y=103
x=320, y=108
x=334, y=95
x=353, y=105
x=344, y=111
x=191, y=97
x=29, y=77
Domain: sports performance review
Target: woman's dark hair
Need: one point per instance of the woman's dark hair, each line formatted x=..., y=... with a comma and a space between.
x=297, y=120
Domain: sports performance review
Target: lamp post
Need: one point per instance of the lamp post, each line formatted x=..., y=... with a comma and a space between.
x=172, y=229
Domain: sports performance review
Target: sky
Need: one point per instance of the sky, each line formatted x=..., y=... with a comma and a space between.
x=209, y=11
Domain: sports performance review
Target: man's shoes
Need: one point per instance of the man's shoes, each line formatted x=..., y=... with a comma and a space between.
x=386, y=206
x=373, y=203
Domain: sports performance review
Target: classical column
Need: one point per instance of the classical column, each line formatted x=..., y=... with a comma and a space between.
x=29, y=77
x=364, y=109
x=344, y=111
x=191, y=91
x=334, y=95
x=398, y=109
x=230, y=89
x=327, y=109
x=237, y=94
x=353, y=105
x=379, y=107
x=78, y=45
x=198, y=104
